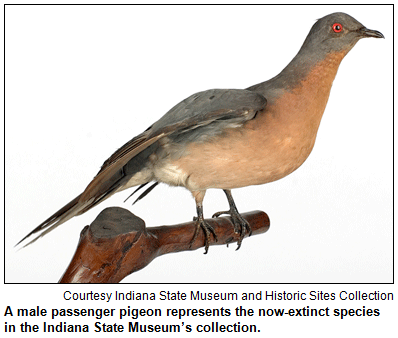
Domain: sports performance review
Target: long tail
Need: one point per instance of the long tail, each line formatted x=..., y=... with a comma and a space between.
x=77, y=207
x=62, y=215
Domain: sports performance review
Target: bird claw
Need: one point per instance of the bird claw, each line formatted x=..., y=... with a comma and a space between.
x=207, y=229
x=241, y=226
x=218, y=214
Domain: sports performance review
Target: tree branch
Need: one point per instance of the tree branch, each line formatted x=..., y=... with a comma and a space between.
x=117, y=243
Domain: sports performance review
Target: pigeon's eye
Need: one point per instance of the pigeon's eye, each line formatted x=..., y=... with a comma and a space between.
x=337, y=27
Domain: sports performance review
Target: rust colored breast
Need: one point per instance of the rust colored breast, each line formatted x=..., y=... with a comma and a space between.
x=269, y=147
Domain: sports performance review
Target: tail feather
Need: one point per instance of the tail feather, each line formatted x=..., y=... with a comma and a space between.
x=140, y=187
x=146, y=192
x=77, y=207
x=62, y=215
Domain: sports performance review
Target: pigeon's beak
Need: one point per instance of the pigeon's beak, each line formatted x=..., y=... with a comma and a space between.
x=368, y=33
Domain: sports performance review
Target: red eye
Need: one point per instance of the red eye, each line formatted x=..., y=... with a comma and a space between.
x=337, y=27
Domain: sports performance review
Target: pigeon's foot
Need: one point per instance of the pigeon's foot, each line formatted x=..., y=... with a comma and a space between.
x=241, y=226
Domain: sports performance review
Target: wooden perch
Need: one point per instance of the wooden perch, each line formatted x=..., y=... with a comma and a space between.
x=117, y=243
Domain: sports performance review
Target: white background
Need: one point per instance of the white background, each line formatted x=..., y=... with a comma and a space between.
x=81, y=81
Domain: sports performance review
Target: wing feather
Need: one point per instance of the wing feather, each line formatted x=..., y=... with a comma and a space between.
x=198, y=110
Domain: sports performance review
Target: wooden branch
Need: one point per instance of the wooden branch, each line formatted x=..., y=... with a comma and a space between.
x=117, y=243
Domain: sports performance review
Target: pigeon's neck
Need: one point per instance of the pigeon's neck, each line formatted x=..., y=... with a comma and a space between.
x=309, y=90
x=309, y=68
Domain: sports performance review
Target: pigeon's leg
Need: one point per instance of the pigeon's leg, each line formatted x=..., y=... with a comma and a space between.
x=200, y=221
x=241, y=226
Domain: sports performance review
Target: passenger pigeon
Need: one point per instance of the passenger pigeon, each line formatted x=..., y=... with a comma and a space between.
x=230, y=138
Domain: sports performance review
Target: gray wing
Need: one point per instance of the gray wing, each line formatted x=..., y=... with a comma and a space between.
x=234, y=106
x=203, y=108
